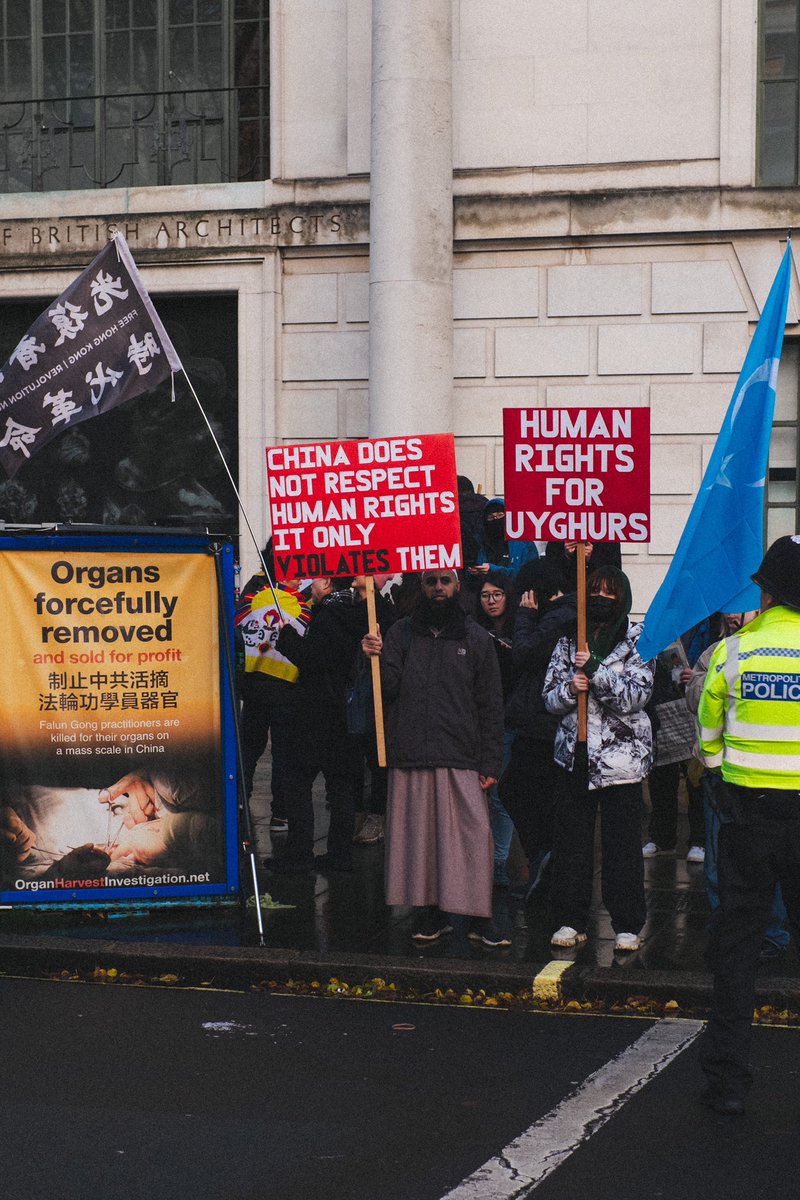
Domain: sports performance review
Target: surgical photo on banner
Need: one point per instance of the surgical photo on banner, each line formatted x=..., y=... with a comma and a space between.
x=110, y=728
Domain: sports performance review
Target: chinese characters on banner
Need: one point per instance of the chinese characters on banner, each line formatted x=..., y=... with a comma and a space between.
x=110, y=726
x=577, y=474
x=364, y=507
x=99, y=344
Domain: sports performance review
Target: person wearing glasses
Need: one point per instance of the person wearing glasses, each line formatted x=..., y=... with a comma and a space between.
x=441, y=687
x=496, y=613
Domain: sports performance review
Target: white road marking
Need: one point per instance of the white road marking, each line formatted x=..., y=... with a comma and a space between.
x=215, y=1028
x=536, y=1153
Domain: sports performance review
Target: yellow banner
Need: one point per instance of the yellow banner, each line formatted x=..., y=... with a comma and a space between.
x=110, y=716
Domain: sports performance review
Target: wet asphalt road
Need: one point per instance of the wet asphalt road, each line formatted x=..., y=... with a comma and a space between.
x=134, y=1093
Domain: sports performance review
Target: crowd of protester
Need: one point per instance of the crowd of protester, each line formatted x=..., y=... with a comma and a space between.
x=481, y=678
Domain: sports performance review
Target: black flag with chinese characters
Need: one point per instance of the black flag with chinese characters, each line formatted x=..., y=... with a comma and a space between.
x=99, y=344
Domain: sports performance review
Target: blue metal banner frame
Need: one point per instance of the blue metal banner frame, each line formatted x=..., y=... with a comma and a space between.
x=102, y=538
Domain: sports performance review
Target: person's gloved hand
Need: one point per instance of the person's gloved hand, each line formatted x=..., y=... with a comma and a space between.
x=84, y=862
x=15, y=833
x=144, y=844
x=141, y=796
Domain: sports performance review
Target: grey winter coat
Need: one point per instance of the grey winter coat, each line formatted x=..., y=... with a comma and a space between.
x=619, y=736
x=443, y=695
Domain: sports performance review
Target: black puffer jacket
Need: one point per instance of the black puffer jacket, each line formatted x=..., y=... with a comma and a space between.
x=443, y=696
x=535, y=639
x=326, y=657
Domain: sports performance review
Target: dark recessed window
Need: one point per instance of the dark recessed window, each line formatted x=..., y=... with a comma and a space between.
x=778, y=93
x=125, y=93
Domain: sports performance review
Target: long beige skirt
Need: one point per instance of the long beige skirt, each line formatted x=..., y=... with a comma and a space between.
x=439, y=847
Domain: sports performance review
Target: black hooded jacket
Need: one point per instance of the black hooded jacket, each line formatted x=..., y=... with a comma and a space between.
x=535, y=639
x=443, y=695
x=326, y=657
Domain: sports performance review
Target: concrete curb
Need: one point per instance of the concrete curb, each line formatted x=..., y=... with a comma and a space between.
x=239, y=967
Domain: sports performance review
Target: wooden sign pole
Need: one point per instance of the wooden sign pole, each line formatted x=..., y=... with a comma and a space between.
x=580, y=563
x=375, y=661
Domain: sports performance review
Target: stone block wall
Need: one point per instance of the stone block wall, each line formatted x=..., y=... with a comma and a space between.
x=579, y=93
x=664, y=326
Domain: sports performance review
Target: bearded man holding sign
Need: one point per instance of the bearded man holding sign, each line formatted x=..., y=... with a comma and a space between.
x=441, y=684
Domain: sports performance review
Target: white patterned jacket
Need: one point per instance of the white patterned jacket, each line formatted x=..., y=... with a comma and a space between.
x=619, y=736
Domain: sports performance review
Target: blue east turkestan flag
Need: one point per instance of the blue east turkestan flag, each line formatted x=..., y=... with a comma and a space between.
x=723, y=542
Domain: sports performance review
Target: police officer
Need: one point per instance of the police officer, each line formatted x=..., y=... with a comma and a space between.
x=749, y=719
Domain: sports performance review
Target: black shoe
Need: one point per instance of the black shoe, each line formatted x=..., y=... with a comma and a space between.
x=333, y=862
x=493, y=935
x=725, y=1106
x=289, y=866
x=430, y=924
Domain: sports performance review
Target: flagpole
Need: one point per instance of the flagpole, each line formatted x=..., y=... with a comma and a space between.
x=375, y=666
x=722, y=542
x=583, y=699
x=249, y=840
x=236, y=493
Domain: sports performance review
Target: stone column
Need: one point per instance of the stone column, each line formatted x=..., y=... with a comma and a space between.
x=411, y=219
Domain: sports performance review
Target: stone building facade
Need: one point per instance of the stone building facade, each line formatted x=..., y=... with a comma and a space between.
x=567, y=207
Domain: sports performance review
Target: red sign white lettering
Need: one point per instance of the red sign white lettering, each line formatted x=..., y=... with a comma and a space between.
x=577, y=474
x=367, y=507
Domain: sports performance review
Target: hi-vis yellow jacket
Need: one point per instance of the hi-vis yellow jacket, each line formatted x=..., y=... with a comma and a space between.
x=749, y=711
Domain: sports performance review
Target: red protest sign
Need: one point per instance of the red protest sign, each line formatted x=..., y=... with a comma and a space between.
x=378, y=505
x=577, y=474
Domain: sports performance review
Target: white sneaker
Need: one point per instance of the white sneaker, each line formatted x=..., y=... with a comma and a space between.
x=567, y=936
x=651, y=850
x=696, y=854
x=627, y=941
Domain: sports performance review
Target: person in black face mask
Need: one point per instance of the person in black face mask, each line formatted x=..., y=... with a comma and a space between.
x=497, y=553
x=607, y=771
